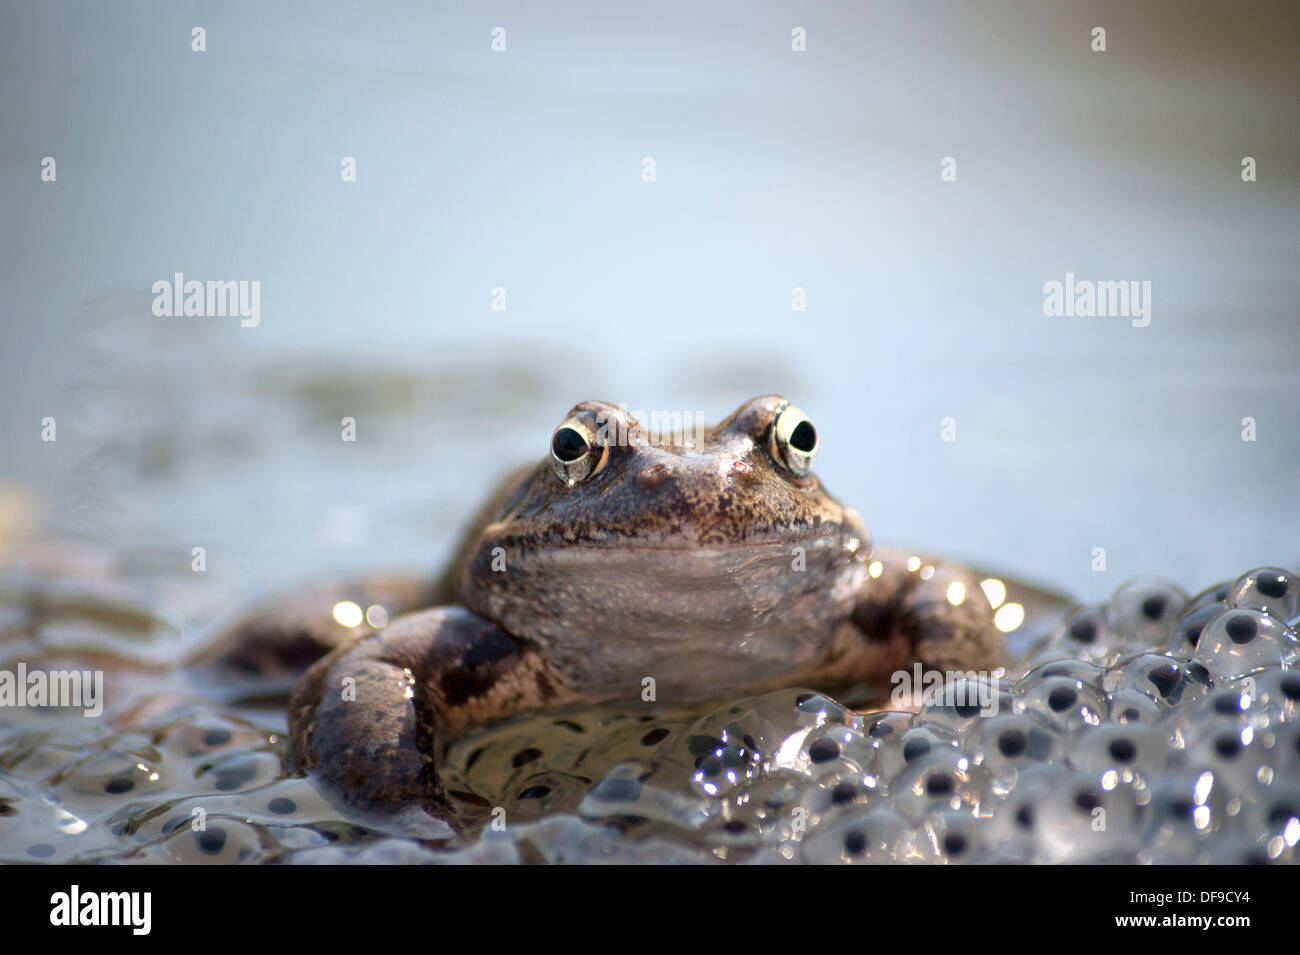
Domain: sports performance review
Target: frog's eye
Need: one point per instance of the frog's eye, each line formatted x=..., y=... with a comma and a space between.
x=575, y=453
x=794, y=440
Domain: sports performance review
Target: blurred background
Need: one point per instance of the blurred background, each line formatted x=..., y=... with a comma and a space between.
x=522, y=170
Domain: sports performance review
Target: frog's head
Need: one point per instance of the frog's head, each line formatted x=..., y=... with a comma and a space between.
x=635, y=544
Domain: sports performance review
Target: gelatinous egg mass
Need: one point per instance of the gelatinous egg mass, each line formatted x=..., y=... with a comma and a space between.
x=1155, y=728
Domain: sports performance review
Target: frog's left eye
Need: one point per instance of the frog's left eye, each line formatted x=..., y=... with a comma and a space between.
x=794, y=440
x=575, y=453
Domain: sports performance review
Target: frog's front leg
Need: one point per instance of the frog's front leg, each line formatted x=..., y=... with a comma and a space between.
x=930, y=611
x=273, y=644
x=368, y=722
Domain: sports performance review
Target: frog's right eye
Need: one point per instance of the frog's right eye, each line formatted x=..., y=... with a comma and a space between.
x=575, y=453
x=794, y=441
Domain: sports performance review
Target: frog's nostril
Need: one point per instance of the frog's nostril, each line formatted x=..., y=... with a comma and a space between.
x=651, y=477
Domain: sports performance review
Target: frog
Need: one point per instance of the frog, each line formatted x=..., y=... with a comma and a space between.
x=710, y=564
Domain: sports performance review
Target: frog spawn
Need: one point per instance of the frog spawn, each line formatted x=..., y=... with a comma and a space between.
x=1149, y=729
x=1171, y=733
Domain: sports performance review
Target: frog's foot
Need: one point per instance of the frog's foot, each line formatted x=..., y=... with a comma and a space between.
x=367, y=723
x=267, y=650
x=930, y=611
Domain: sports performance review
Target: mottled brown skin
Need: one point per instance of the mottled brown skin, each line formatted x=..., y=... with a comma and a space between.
x=712, y=569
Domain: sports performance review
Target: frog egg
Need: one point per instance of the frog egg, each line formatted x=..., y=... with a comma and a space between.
x=1008, y=744
x=831, y=796
x=1184, y=808
x=1131, y=706
x=849, y=789
x=1282, y=751
x=1235, y=754
x=1015, y=824
x=1275, y=813
x=1142, y=612
x=1187, y=632
x=1269, y=590
x=1115, y=756
x=766, y=805
x=825, y=803
x=1067, y=704
x=956, y=704
x=1079, y=821
x=898, y=749
x=1088, y=673
x=243, y=771
x=731, y=832
x=827, y=749
x=1167, y=680
x=543, y=793
x=1210, y=595
x=957, y=837
x=1085, y=634
x=564, y=838
x=759, y=723
x=617, y=792
x=945, y=779
x=108, y=776
x=1240, y=642
x=876, y=836
x=224, y=840
x=1235, y=704
x=722, y=767
x=813, y=709
x=880, y=727
x=1275, y=696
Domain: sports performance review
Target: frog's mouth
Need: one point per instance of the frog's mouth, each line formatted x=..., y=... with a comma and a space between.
x=712, y=532
x=719, y=546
